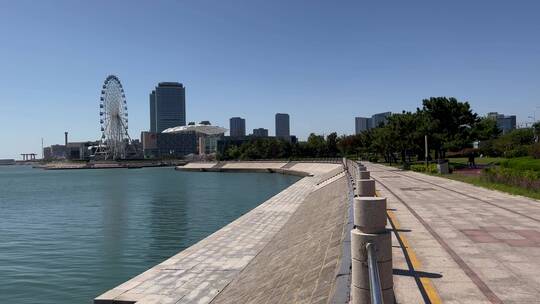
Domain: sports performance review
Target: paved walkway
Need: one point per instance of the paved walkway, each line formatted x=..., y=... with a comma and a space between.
x=464, y=244
x=301, y=262
x=204, y=270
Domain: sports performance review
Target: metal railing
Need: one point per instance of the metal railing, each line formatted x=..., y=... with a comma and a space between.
x=374, y=278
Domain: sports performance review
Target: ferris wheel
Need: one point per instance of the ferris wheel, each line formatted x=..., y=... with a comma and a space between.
x=113, y=113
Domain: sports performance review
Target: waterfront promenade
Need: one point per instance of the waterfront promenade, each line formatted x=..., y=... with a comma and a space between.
x=451, y=243
x=465, y=244
x=285, y=249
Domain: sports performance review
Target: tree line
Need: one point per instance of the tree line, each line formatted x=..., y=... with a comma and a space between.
x=450, y=126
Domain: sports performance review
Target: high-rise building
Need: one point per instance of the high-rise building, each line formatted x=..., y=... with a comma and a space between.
x=167, y=106
x=237, y=127
x=282, y=126
x=506, y=123
x=361, y=124
x=379, y=118
x=260, y=132
x=153, y=112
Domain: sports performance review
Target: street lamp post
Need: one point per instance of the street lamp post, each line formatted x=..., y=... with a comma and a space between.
x=426, y=148
x=535, y=130
x=534, y=114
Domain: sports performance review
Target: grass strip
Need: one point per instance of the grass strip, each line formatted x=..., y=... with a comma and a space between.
x=478, y=181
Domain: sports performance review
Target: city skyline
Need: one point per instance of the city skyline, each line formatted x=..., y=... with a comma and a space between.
x=324, y=72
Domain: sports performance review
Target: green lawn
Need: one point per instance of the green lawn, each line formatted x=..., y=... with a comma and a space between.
x=477, y=181
x=477, y=160
x=395, y=165
x=522, y=163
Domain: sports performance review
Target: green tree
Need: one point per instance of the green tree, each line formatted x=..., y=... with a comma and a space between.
x=403, y=130
x=448, y=123
x=233, y=153
x=349, y=145
x=316, y=145
x=331, y=144
x=384, y=143
x=514, y=143
x=486, y=129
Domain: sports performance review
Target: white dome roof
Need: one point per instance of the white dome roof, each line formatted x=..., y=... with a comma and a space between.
x=206, y=129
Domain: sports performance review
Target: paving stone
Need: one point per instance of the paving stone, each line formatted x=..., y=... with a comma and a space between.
x=300, y=259
x=491, y=234
x=264, y=252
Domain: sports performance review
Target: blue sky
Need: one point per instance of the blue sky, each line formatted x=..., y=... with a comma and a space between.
x=323, y=62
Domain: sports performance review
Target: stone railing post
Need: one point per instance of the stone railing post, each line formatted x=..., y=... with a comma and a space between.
x=365, y=187
x=362, y=174
x=370, y=227
x=361, y=167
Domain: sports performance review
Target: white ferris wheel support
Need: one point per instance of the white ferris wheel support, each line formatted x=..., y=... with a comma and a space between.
x=113, y=116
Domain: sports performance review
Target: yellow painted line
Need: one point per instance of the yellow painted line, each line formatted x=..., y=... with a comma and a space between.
x=431, y=292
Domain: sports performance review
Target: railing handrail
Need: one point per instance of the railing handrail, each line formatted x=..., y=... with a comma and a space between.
x=370, y=240
x=374, y=278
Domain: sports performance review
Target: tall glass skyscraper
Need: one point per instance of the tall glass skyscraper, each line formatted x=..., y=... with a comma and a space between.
x=282, y=126
x=505, y=123
x=167, y=106
x=361, y=124
x=380, y=118
x=237, y=127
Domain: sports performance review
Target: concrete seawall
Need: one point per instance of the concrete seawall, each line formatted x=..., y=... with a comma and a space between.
x=253, y=170
x=287, y=250
x=70, y=165
x=292, y=168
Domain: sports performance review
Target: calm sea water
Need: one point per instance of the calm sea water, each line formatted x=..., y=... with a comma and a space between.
x=68, y=236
